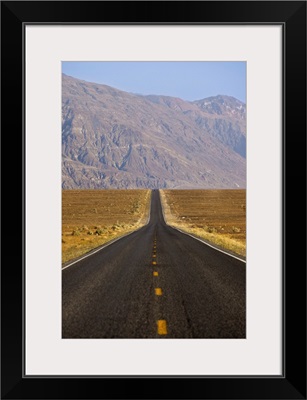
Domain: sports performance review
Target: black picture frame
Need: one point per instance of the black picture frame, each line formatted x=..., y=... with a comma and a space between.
x=292, y=16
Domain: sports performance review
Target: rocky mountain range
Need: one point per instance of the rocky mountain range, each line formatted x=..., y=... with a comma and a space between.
x=114, y=139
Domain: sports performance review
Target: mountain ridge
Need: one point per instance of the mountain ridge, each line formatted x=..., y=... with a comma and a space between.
x=115, y=139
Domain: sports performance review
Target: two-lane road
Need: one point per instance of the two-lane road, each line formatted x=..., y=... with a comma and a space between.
x=155, y=283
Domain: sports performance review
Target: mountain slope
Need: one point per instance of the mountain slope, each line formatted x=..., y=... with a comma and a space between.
x=114, y=139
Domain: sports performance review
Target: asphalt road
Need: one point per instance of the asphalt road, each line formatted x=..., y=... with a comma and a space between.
x=155, y=283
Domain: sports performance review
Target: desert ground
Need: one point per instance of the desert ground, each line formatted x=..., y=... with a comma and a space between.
x=91, y=218
x=218, y=216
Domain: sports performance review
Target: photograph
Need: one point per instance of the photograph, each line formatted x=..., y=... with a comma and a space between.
x=162, y=148
x=154, y=200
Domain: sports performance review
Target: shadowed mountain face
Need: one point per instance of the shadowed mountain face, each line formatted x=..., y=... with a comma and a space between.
x=114, y=139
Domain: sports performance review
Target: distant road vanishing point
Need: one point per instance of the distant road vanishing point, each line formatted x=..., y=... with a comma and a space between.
x=155, y=283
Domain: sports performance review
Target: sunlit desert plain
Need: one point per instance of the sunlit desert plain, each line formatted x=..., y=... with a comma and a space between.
x=91, y=218
x=218, y=216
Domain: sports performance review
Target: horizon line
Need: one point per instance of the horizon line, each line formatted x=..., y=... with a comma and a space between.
x=153, y=94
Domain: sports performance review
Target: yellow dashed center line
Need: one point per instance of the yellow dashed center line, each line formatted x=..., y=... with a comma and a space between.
x=162, y=329
x=161, y=323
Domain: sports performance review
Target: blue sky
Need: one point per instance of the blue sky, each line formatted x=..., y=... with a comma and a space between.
x=187, y=80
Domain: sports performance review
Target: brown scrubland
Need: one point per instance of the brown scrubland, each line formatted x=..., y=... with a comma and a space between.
x=218, y=216
x=91, y=218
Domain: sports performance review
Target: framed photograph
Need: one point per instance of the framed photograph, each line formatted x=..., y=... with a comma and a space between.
x=163, y=149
